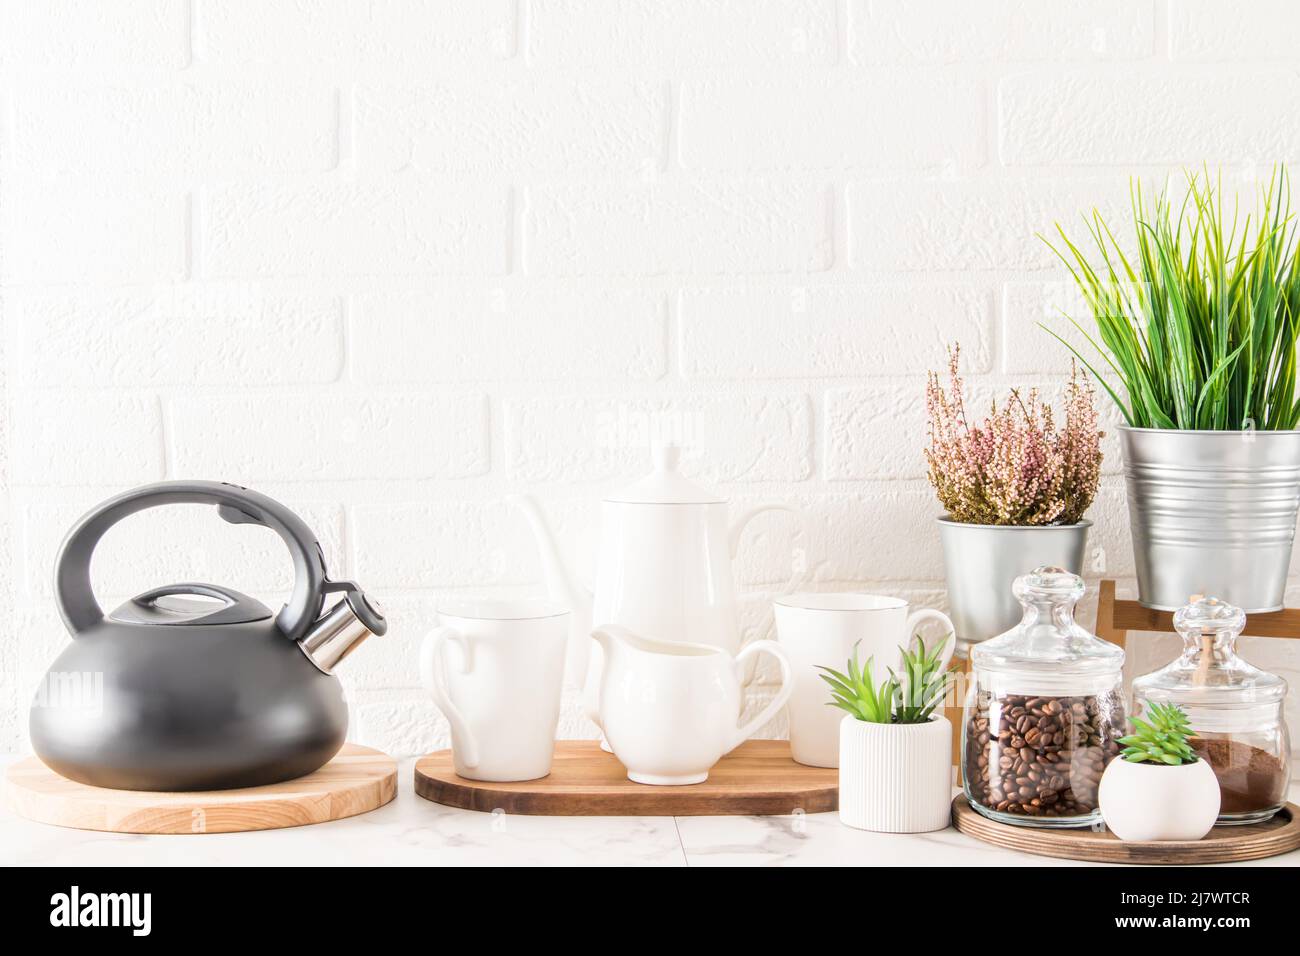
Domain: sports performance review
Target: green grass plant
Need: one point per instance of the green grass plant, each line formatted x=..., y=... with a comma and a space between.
x=1200, y=322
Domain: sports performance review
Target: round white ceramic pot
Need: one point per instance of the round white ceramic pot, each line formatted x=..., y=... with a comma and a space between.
x=895, y=778
x=1147, y=801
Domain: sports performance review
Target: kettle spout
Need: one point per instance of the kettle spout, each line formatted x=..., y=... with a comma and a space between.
x=341, y=629
x=562, y=587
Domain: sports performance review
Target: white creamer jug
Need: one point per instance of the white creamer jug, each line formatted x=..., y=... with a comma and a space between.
x=670, y=710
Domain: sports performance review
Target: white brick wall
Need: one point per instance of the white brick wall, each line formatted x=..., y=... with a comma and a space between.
x=393, y=260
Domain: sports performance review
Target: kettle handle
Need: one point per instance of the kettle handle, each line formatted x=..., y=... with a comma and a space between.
x=76, y=598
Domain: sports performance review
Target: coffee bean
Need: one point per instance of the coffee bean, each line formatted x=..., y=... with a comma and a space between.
x=1040, y=756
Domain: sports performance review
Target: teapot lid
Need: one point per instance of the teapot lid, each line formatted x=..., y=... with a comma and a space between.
x=665, y=485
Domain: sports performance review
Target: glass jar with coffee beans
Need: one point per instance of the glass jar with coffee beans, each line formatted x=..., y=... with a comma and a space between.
x=1044, y=712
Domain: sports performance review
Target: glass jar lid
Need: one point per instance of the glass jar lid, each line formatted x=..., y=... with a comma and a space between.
x=1048, y=642
x=1209, y=673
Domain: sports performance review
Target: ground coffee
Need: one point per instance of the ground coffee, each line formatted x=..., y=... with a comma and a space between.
x=1250, y=779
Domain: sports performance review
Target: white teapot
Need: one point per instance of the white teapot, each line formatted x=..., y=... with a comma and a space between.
x=664, y=566
x=670, y=710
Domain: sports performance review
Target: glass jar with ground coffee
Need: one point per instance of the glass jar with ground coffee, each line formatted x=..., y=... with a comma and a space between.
x=1044, y=712
x=1235, y=709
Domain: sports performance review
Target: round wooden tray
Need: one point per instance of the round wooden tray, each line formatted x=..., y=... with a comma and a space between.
x=1222, y=845
x=358, y=779
x=757, y=778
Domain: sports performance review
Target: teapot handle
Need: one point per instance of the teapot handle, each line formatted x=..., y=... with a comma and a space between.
x=777, y=702
x=76, y=598
x=738, y=529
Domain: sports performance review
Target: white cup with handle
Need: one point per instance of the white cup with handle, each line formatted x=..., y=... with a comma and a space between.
x=496, y=669
x=821, y=629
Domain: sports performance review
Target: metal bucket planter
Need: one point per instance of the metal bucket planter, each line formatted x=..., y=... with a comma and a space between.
x=1212, y=512
x=981, y=560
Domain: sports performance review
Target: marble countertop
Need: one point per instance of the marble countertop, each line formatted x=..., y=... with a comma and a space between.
x=411, y=831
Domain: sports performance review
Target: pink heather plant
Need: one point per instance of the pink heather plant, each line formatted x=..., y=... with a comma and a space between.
x=1015, y=468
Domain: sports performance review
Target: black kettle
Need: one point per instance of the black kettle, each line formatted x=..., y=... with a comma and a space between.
x=195, y=686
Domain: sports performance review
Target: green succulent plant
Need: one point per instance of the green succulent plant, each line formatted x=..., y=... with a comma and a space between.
x=1161, y=738
x=911, y=700
x=925, y=683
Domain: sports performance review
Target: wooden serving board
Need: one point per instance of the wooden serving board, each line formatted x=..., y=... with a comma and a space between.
x=358, y=779
x=1221, y=845
x=757, y=778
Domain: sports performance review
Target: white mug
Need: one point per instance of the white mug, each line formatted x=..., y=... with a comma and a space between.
x=670, y=710
x=501, y=689
x=821, y=629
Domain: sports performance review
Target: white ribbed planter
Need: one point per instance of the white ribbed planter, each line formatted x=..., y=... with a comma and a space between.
x=895, y=778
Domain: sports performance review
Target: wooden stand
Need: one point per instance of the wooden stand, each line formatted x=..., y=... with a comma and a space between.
x=1116, y=618
x=1221, y=845
x=358, y=779
x=953, y=710
x=757, y=778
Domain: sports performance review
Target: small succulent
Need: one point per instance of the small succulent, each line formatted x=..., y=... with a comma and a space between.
x=1161, y=738
x=911, y=700
x=857, y=692
x=925, y=684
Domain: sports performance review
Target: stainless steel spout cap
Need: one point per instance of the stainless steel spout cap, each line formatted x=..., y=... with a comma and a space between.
x=342, y=629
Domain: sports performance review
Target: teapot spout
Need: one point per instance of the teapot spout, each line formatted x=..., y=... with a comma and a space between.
x=562, y=587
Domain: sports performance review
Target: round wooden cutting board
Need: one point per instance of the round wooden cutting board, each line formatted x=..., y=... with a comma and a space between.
x=758, y=778
x=1221, y=845
x=357, y=780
